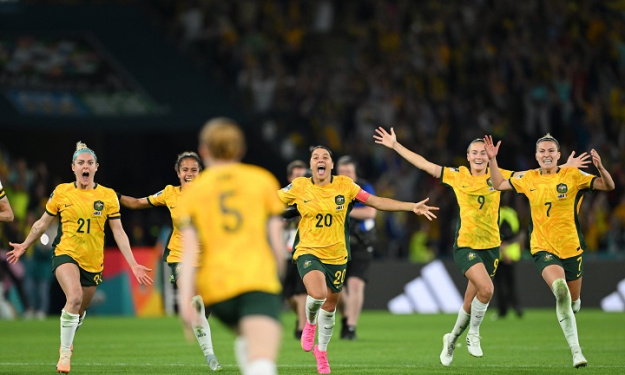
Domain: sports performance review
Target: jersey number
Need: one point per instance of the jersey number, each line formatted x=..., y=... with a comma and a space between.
x=81, y=224
x=480, y=200
x=496, y=264
x=339, y=277
x=237, y=218
x=323, y=220
x=548, y=204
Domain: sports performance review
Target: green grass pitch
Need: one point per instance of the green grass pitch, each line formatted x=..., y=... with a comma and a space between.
x=386, y=344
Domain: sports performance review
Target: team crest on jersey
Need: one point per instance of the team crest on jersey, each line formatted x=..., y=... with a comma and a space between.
x=98, y=206
x=548, y=258
x=562, y=189
x=339, y=199
x=287, y=188
x=489, y=182
x=471, y=256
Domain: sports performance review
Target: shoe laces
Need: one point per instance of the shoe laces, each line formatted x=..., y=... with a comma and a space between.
x=322, y=360
x=473, y=339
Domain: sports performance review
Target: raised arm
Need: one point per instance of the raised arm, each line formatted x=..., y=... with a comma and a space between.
x=499, y=182
x=134, y=203
x=121, y=239
x=39, y=227
x=6, y=212
x=390, y=141
x=580, y=161
x=605, y=181
x=387, y=204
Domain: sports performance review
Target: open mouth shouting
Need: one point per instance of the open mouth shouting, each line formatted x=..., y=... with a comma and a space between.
x=321, y=170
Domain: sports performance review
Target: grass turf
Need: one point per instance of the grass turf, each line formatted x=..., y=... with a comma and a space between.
x=386, y=344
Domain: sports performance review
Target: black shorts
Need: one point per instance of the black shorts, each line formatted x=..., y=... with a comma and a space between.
x=360, y=262
x=292, y=284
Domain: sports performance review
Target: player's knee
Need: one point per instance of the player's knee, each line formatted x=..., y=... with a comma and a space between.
x=318, y=293
x=74, y=301
x=561, y=290
x=487, y=292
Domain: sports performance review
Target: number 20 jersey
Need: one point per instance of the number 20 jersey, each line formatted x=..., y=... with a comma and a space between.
x=323, y=230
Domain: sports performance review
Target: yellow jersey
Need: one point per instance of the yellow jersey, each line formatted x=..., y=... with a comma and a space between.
x=169, y=197
x=323, y=230
x=230, y=206
x=2, y=193
x=478, y=202
x=555, y=200
x=82, y=216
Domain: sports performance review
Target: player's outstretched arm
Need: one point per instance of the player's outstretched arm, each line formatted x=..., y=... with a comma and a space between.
x=39, y=227
x=134, y=203
x=390, y=140
x=140, y=272
x=387, y=204
x=605, y=181
x=499, y=182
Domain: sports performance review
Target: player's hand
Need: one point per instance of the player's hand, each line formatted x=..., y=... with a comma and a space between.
x=489, y=146
x=14, y=255
x=422, y=209
x=384, y=138
x=596, y=159
x=141, y=273
x=580, y=162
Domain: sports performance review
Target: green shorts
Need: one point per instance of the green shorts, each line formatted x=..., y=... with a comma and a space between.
x=86, y=278
x=175, y=271
x=573, y=267
x=465, y=258
x=335, y=273
x=232, y=310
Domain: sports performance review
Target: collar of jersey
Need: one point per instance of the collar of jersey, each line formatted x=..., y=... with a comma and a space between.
x=331, y=179
x=95, y=185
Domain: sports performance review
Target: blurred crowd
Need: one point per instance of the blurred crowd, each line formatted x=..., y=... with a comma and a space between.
x=441, y=73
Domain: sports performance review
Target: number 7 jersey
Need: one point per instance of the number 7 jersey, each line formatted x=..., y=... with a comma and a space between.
x=555, y=200
x=82, y=215
x=323, y=230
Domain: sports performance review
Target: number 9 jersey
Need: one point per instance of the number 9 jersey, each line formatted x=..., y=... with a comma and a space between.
x=323, y=230
x=82, y=215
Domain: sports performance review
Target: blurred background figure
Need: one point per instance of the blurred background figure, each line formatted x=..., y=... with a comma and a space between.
x=510, y=253
x=39, y=270
x=362, y=241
